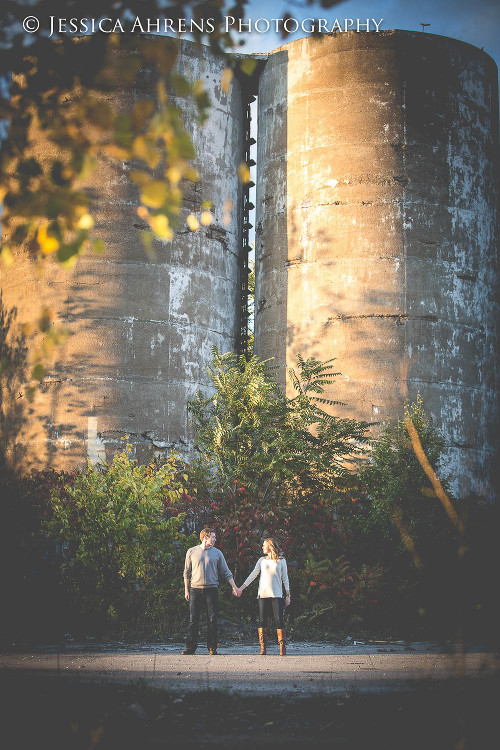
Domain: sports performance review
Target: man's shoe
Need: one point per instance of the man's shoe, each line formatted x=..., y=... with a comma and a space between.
x=213, y=652
x=188, y=651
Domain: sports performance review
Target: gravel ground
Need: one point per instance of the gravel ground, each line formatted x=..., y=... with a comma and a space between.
x=309, y=669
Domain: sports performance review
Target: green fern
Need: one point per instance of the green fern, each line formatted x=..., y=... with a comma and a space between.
x=249, y=430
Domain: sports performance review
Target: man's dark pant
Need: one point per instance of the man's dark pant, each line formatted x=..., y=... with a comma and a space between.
x=208, y=599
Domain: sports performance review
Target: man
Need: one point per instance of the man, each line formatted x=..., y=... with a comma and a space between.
x=203, y=565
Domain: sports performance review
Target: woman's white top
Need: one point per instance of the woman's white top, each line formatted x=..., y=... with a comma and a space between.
x=273, y=576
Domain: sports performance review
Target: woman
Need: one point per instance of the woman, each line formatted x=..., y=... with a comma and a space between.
x=273, y=576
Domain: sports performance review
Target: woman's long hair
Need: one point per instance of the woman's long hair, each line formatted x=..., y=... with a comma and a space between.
x=274, y=549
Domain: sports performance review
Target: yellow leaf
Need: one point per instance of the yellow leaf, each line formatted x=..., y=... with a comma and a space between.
x=228, y=207
x=48, y=346
x=168, y=136
x=174, y=174
x=160, y=226
x=154, y=193
x=100, y=113
x=116, y=152
x=175, y=196
x=47, y=243
x=6, y=256
x=162, y=54
x=79, y=209
x=206, y=218
x=61, y=335
x=243, y=173
x=88, y=165
x=143, y=213
x=69, y=262
x=139, y=177
x=226, y=78
x=198, y=87
x=142, y=110
x=144, y=149
x=192, y=222
x=161, y=93
x=85, y=222
x=192, y=175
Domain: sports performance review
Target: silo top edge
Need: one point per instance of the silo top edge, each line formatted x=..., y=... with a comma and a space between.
x=386, y=34
x=365, y=37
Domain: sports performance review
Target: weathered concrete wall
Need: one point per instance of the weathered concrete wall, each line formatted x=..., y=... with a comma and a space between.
x=377, y=234
x=377, y=241
x=141, y=329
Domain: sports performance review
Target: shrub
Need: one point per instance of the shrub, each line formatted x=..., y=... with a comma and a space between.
x=336, y=597
x=252, y=435
x=110, y=558
x=118, y=548
x=402, y=525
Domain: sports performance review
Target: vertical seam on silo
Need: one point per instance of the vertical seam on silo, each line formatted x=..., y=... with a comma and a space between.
x=243, y=335
x=404, y=219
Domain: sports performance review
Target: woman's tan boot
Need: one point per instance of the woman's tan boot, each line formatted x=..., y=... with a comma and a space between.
x=262, y=641
x=281, y=641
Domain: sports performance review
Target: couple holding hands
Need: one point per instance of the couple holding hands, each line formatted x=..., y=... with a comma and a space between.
x=203, y=565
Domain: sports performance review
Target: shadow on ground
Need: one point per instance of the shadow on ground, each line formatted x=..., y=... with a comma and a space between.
x=63, y=714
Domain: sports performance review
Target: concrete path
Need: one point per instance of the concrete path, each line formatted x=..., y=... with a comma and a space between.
x=309, y=668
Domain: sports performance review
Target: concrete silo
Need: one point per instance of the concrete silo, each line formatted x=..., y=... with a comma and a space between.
x=141, y=328
x=377, y=233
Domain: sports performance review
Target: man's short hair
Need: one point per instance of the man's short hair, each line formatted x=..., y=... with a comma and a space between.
x=205, y=533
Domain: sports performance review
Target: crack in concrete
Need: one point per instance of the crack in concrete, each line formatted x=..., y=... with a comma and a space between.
x=399, y=318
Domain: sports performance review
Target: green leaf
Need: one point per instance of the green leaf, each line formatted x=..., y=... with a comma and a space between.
x=38, y=372
x=98, y=246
